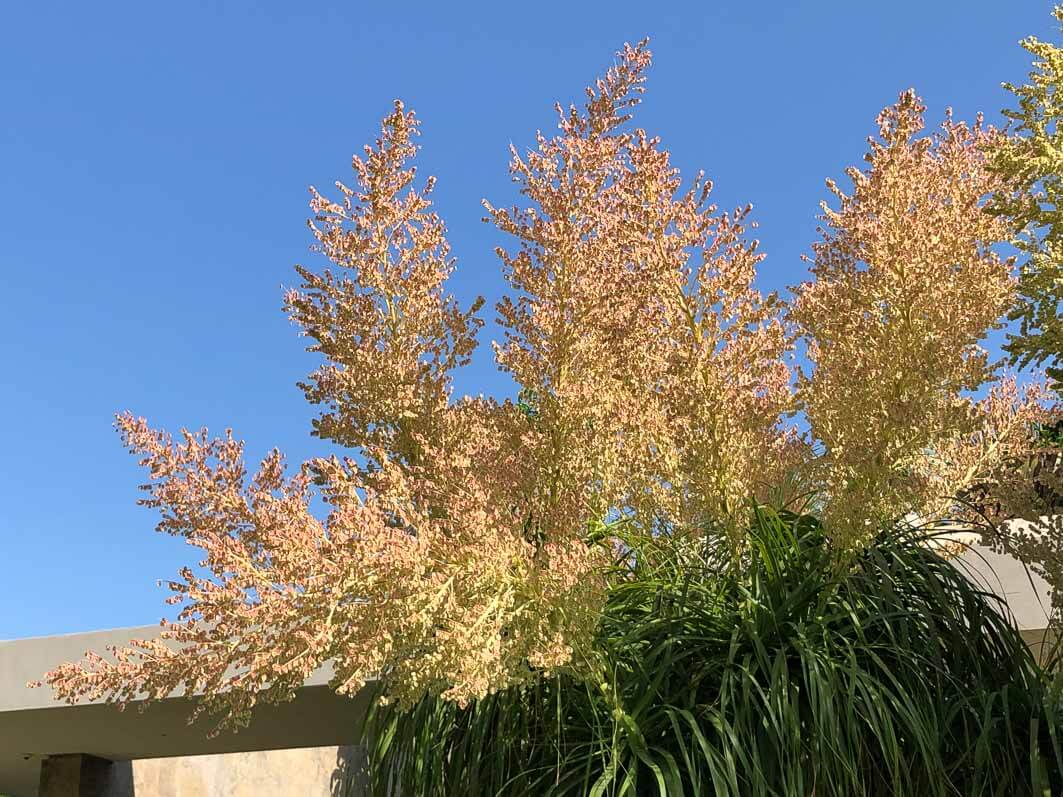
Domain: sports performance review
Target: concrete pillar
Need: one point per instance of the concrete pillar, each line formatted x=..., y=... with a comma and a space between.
x=81, y=775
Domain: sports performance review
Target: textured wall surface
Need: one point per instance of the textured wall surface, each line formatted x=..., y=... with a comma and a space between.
x=309, y=772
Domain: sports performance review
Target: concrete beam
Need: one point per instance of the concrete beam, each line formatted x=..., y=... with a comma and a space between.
x=34, y=728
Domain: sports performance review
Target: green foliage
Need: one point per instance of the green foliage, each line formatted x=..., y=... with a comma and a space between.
x=1033, y=159
x=1049, y=435
x=788, y=675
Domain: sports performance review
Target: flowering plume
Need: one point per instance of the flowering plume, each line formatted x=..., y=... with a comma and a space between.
x=655, y=363
x=906, y=284
x=457, y=556
x=389, y=332
x=382, y=587
x=424, y=573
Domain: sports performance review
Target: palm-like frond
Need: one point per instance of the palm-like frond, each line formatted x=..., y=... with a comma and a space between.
x=791, y=674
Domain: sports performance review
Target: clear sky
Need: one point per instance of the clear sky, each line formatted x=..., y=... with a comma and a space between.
x=154, y=160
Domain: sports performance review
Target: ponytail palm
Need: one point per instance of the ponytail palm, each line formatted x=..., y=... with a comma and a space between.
x=787, y=674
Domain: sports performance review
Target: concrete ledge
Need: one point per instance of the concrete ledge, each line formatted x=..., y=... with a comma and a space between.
x=33, y=726
x=318, y=717
x=25, y=660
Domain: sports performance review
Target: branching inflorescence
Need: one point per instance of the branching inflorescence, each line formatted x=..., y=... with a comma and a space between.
x=463, y=548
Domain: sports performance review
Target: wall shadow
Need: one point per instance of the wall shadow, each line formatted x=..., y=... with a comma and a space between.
x=118, y=780
x=350, y=777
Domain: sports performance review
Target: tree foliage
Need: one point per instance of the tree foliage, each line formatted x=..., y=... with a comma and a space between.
x=1032, y=160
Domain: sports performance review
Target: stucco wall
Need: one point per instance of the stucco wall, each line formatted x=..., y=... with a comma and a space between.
x=313, y=772
x=308, y=772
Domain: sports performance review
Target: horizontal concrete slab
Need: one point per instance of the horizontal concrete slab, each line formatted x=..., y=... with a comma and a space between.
x=25, y=660
x=34, y=725
x=318, y=717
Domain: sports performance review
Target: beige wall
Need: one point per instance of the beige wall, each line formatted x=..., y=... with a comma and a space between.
x=332, y=771
x=309, y=772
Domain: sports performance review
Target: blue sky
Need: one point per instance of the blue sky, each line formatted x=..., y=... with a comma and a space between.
x=154, y=160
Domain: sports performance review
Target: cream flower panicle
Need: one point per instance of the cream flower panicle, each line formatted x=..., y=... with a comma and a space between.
x=458, y=552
